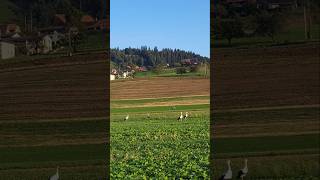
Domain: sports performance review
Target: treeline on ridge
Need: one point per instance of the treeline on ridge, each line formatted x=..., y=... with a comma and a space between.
x=151, y=58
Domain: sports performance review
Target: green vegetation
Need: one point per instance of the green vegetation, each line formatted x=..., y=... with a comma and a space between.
x=270, y=144
x=159, y=146
x=33, y=149
x=162, y=108
x=251, y=26
x=6, y=12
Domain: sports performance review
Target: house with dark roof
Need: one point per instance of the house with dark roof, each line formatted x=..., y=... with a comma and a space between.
x=99, y=25
x=9, y=29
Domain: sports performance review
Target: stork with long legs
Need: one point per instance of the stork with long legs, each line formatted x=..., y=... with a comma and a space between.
x=228, y=174
x=243, y=172
x=186, y=116
x=127, y=117
x=180, y=117
x=55, y=176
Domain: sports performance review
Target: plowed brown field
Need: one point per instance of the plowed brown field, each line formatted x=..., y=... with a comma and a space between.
x=54, y=88
x=159, y=87
x=261, y=77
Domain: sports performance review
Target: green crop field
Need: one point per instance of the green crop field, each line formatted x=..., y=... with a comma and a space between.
x=159, y=146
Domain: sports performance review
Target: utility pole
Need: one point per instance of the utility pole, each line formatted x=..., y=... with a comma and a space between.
x=31, y=21
x=70, y=51
x=25, y=23
x=307, y=19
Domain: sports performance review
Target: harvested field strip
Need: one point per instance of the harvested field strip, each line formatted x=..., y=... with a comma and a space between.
x=266, y=143
x=45, y=154
x=267, y=115
x=159, y=87
x=268, y=108
x=160, y=101
x=53, y=132
x=160, y=108
x=268, y=153
x=266, y=122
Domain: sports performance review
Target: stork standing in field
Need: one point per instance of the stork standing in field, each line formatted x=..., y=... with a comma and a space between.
x=127, y=117
x=55, y=176
x=186, y=116
x=180, y=117
x=148, y=116
x=243, y=172
x=228, y=174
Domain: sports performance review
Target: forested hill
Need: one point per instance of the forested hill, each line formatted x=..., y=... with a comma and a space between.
x=43, y=11
x=152, y=57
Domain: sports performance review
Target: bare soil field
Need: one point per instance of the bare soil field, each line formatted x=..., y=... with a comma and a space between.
x=54, y=88
x=159, y=88
x=262, y=77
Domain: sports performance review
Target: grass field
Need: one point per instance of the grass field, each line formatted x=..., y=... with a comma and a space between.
x=159, y=146
x=54, y=113
x=292, y=31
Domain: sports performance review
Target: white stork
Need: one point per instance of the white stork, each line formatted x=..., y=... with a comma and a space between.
x=127, y=117
x=228, y=174
x=243, y=172
x=55, y=176
x=180, y=117
x=186, y=116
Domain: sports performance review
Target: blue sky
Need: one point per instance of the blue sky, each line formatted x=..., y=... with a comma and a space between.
x=181, y=24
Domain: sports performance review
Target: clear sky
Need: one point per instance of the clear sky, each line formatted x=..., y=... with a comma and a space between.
x=181, y=24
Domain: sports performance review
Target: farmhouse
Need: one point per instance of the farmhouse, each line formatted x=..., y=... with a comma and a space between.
x=189, y=62
x=88, y=20
x=59, y=20
x=9, y=29
x=47, y=44
x=112, y=77
x=99, y=25
x=7, y=50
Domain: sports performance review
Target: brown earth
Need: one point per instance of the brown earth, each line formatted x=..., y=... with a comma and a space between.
x=262, y=77
x=66, y=87
x=159, y=87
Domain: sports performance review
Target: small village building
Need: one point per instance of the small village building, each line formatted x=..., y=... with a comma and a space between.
x=99, y=25
x=7, y=50
x=9, y=29
x=59, y=20
x=112, y=77
x=88, y=20
x=47, y=44
x=56, y=37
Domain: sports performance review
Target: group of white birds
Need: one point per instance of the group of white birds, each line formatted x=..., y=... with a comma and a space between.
x=180, y=118
x=183, y=117
x=241, y=173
